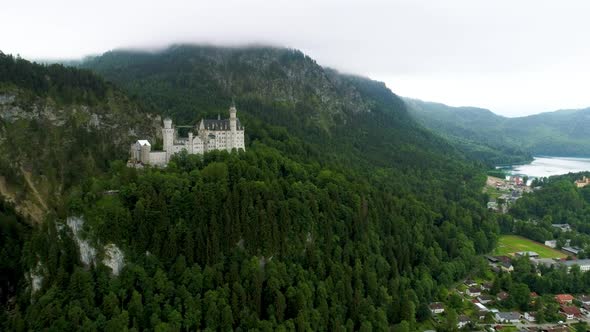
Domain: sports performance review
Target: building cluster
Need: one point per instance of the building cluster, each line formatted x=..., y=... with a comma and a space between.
x=485, y=304
x=207, y=135
x=509, y=190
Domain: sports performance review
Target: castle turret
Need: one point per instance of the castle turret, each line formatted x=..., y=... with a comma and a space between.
x=232, y=118
x=144, y=151
x=168, y=136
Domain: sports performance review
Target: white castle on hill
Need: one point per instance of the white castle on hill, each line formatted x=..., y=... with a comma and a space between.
x=226, y=134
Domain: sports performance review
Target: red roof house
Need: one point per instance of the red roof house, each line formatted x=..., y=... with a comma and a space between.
x=571, y=312
x=564, y=298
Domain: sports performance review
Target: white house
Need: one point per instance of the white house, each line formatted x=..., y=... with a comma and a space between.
x=484, y=299
x=436, y=308
x=551, y=243
x=585, y=299
x=462, y=321
x=481, y=307
x=530, y=316
x=507, y=317
x=584, y=264
x=473, y=291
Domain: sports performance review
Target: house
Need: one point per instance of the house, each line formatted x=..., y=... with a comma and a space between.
x=470, y=283
x=585, y=299
x=517, y=180
x=530, y=316
x=481, y=307
x=484, y=299
x=492, y=259
x=436, y=308
x=502, y=296
x=570, y=312
x=507, y=317
x=473, y=291
x=506, y=266
x=564, y=298
x=584, y=264
x=572, y=250
x=531, y=254
x=551, y=243
x=486, y=286
x=462, y=321
x=563, y=227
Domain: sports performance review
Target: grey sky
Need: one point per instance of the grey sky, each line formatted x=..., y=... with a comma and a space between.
x=515, y=57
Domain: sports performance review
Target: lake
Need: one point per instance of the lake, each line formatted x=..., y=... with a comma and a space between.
x=548, y=166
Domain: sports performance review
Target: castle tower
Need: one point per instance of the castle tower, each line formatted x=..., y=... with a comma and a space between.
x=168, y=136
x=232, y=118
x=232, y=128
x=190, y=143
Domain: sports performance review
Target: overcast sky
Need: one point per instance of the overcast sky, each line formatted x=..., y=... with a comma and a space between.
x=514, y=57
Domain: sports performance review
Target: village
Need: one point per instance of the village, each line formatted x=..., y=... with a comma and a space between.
x=504, y=192
x=484, y=310
x=481, y=304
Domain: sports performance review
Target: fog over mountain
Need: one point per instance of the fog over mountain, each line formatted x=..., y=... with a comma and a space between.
x=513, y=58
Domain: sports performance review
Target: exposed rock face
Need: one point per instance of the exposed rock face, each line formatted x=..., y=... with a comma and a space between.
x=37, y=134
x=113, y=256
x=87, y=252
x=36, y=278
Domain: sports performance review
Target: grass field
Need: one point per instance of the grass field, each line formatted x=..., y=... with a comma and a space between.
x=510, y=244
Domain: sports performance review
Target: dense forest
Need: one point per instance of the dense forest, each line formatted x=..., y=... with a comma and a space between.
x=342, y=213
x=559, y=133
x=65, y=84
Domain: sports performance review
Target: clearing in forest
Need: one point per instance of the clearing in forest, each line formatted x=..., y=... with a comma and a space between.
x=510, y=244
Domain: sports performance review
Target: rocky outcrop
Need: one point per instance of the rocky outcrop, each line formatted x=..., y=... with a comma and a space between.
x=113, y=256
x=87, y=251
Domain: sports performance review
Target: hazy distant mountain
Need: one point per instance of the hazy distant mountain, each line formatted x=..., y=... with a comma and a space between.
x=559, y=133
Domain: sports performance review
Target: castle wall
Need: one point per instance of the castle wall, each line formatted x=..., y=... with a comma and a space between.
x=158, y=158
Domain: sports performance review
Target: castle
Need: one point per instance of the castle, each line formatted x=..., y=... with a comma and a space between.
x=226, y=134
x=582, y=183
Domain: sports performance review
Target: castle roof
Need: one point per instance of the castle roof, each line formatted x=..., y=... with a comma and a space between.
x=143, y=142
x=220, y=125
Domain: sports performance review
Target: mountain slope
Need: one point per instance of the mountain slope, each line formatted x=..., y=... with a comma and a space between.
x=560, y=133
x=59, y=125
x=273, y=86
x=342, y=214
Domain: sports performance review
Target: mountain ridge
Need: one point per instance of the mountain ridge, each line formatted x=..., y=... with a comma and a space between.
x=557, y=133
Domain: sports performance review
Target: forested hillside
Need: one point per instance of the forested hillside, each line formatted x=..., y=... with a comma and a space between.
x=558, y=202
x=58, y=126
x=342, y=213
x=560, y=133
